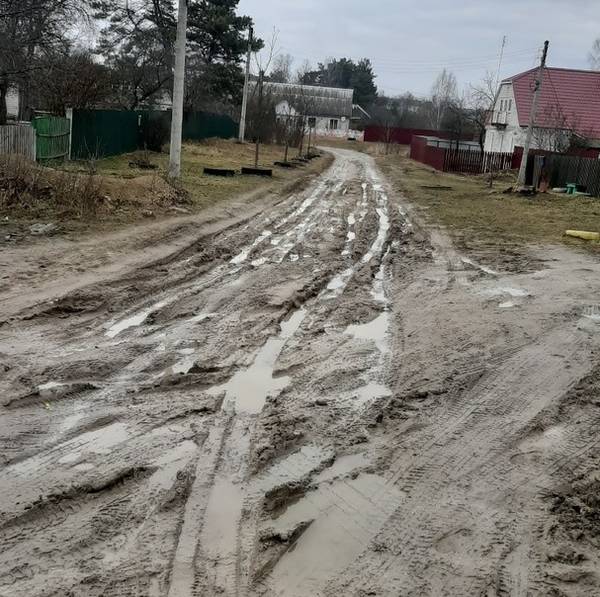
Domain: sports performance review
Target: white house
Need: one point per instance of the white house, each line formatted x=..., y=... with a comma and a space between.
x=329, y=110
x=569, y=106
x=12, y=103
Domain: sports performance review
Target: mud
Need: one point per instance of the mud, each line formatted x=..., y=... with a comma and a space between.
x=318, y=397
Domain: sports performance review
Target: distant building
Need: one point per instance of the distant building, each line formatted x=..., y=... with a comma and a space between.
x=568, y=111
x=329, y=110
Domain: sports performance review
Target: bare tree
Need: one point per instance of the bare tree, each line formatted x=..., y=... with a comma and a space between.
x=443, y=93
x=594, y=55
x=28, y=30
x=281, y=70
x=303, y=70
x=481, y=100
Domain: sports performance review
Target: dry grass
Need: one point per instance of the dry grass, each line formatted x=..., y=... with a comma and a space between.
x=31, y=191
x=480, y=217
x=216, y=153
x=108, y=193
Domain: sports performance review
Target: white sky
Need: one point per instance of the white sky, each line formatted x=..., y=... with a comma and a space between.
x=410, y=41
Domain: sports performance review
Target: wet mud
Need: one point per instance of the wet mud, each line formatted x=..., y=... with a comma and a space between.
x=324, y=399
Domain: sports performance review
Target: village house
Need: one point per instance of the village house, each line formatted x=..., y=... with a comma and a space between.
x=568, y=111
x=12, y=104
x=329, y=110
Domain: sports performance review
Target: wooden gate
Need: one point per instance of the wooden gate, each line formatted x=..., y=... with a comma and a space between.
x=52, y=138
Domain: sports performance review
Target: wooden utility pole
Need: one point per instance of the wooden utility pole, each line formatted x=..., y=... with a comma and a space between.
x=178, y=91
x=246, y=85
x=532, y=117
x=259, y=120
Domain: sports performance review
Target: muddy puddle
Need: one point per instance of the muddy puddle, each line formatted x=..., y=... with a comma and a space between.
x=248, y=390
x=374, y=331
x=343, y=516
x=134, y=320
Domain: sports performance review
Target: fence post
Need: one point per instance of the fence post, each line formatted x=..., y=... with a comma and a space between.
x=69, y=115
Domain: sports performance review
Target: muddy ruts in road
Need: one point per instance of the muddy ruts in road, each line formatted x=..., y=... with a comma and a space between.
x=322, y=400
x=132, y=454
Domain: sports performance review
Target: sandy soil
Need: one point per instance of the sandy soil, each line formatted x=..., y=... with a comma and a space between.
x=312, y=395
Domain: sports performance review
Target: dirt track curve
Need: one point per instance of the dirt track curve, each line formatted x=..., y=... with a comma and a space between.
x=328, y=400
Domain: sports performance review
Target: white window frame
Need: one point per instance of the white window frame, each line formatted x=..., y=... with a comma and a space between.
x=334, y=124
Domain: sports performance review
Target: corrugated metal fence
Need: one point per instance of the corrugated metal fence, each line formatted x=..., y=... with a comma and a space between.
x=18, y=138
x=102, y=133
x=458, y=160
x=561, y=170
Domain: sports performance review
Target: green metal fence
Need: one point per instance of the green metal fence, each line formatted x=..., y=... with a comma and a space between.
x=52, y=138
x=102, y=133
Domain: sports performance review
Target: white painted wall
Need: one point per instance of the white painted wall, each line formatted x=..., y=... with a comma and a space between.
x=504, y=139
x=12, y=103
x=324, y=127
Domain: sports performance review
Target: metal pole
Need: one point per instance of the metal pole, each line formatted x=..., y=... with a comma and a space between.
x=246, y=84
x=259, y=123
x=178, y=91
x=532, y=117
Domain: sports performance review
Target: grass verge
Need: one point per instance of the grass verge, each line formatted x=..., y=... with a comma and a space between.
x=116, y=191
x=483, y=218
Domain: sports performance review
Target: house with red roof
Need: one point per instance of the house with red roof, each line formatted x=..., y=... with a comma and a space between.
x=568, y=111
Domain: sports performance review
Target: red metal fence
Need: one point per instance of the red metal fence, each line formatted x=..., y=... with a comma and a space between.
x=401, y=136
x=460, y=160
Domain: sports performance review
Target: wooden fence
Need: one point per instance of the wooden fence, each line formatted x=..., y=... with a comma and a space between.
x=18, y=138
x=476, y=162
x=53, y=136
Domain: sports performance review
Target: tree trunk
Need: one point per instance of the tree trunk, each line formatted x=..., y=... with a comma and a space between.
x=3, y=96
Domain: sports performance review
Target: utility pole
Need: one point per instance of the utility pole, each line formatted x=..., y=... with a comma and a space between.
x=246, y=84
x=532, y=117
x=259, y=123
x=178, y=91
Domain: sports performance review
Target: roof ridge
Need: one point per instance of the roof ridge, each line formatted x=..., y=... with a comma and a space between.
x=550, y=68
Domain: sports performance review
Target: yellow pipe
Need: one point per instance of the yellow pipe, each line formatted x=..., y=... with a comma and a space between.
x=583, y=234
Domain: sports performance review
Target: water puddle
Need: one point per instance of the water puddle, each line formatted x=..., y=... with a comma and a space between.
x=200, y=317
x=384, y=226
x=337, y=284
x=375, y=331
x=295, y=467
x=378, y=291
x=483, y=268
x=183, y=367
x=248, y=390
x=343, y=466
x=370, y=392
x=506, y=290
x=258, y=262
x=134, y=320
x=243, y=255
x=220, y=530
x=346, y=515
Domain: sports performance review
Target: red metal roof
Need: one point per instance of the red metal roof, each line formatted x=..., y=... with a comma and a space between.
x=570, y=99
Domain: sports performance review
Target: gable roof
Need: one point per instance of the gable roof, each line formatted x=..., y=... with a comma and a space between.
x=319, y=101
x=569, y=99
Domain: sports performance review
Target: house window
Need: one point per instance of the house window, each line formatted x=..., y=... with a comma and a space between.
x=509, y=105
x=312, y=122
x=333, y=124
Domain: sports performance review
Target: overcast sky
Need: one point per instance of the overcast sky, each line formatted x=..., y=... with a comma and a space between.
x=410, y=41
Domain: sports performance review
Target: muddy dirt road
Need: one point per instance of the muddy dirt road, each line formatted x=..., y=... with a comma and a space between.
x=324, y=399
